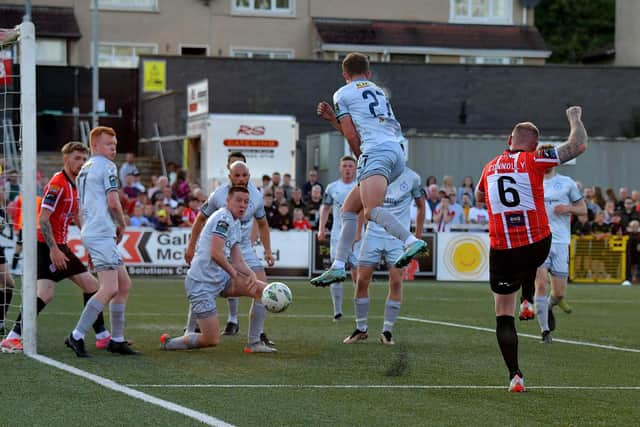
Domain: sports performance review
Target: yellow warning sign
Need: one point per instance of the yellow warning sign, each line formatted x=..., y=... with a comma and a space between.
x=154, y=76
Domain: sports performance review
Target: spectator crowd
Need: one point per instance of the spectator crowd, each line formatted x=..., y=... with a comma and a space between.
x=173, y=201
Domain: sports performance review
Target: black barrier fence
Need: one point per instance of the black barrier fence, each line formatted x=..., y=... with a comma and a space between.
x=321, y=256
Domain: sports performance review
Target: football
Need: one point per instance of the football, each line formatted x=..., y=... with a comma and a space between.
x=276, y=297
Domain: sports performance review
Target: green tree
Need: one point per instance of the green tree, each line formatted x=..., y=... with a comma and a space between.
x=572, y=28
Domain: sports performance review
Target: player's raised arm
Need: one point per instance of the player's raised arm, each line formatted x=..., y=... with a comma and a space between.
x=577, y=142
x=345, y=126
x=325, y=111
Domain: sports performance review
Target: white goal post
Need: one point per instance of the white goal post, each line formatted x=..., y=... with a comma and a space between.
x=27, y=38
x=18, y=125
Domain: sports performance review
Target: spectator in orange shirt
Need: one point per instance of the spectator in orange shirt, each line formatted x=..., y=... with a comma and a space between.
x=15, y=209
x=299, y=220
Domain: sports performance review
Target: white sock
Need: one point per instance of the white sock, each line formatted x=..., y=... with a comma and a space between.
x=13, y=336
x=411, y=239
x=117, y=339
x=232, y=319
x=337, y=264
x=77, y=335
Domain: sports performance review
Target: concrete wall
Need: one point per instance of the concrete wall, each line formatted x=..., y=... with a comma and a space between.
x=627, y=32
x=447, y=99
x=607, y=163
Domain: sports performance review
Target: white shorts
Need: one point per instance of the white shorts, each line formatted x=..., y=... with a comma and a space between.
x=252, y=260
x=387, y=161
x=104, y=252
x=202, y=296
x=352, y=260
x=374, y=248
x=558, y=260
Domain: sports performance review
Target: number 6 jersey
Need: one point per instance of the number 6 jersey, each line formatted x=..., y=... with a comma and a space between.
x=514, y=192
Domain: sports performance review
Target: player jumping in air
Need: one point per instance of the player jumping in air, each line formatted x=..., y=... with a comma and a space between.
x=365, y=118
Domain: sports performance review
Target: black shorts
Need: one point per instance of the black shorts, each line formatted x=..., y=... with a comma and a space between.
x=509, y=269
x=46, y=269
x=3, y=258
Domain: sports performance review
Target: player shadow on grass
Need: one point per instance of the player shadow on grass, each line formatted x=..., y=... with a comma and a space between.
x=399, y=362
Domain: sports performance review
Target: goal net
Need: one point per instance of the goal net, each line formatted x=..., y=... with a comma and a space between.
x=18, y=181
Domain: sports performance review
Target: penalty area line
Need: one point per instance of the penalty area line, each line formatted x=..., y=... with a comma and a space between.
x=381, y=386
x=112, y=385
x=536, y=337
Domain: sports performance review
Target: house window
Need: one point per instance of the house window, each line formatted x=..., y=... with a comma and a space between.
x=129, y=5
x=122, y=55
x=194, y=50
x=263, y=7
x=482, y=11
x=51, y=52
x=408, y=58
x=492, y=60
x=262, y=53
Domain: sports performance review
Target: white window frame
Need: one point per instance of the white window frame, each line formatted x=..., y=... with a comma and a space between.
x=127, y=44
x=386, y=57
x=480, y=60
x=457, y=19
x=124, y=7
x=274, y=12
x=189, y=45
x=64, y=62
x=234, y=50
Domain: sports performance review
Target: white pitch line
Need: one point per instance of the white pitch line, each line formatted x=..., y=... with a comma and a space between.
x=381, y=386
x=112, y=385
x=564, y=341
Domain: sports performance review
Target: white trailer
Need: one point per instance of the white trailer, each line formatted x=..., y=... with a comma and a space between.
x=267, y=141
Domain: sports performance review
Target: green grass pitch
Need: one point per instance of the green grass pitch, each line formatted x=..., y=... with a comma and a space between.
x=317, y=380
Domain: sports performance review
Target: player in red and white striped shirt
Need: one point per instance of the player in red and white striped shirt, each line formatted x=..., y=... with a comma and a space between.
x=519, y=234
x=56, y=261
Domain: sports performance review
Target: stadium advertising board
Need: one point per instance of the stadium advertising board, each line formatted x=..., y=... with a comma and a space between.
x=463, y=256
x=148, y=252
x=321, y=257
x=291, y=250
x=198, y=98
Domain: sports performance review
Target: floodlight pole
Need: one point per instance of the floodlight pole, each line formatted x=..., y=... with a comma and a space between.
x=27, y=11
x=94, y=64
